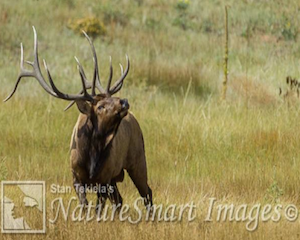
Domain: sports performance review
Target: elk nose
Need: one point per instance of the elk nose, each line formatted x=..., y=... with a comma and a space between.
x=124, y=103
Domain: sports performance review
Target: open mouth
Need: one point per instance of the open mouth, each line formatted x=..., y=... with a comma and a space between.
x=124, y=110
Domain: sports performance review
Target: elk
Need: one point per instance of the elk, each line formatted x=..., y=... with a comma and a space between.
x=292, y=93
x=106, y=139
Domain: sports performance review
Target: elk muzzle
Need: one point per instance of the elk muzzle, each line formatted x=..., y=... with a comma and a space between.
x=124, y=107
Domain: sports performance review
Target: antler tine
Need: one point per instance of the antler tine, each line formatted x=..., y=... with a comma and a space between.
x=88, y=85
x=64, y=96
x=96, y=77
x=82, y=70
x=35, y=48
x=59, y=94
x=83, y=81
x=72, y=102
x=82, y=75
x=122, y=69
x=110, y=76
x=36, y=67
x=22, y=59
x=36, y=73
x=117, y=86
x=19, y=77
x=121, y=83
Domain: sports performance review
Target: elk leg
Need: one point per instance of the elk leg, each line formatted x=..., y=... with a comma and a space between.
x=101, y=199
x=140, y=181
x=115, y=196
x=80, y=190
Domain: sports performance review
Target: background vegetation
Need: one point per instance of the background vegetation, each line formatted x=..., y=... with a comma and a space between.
x=244, y=150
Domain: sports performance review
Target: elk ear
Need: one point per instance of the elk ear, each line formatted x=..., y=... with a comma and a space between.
x=84, y=107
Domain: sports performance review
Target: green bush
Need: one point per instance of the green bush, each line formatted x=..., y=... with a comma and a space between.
x=182, y=5
x=182, y=18
x=289, y=31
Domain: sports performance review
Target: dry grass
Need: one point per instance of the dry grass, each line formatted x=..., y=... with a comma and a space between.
x=194, y=153
x=245, y=89
x=243, y=151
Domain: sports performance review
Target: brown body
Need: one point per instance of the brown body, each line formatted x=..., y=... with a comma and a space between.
x=126, y=151
x=106, y=140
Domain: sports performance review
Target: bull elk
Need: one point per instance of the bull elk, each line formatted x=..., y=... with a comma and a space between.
x=106, y=138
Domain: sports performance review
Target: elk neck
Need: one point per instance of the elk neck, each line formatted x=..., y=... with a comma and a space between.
x=99, y=148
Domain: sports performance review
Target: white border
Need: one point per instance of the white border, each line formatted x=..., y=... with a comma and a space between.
x=44, y=206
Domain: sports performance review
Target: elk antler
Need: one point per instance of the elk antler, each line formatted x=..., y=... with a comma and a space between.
x=96, y=79
x=53, y=90
x=96, y=83
x=37, y=74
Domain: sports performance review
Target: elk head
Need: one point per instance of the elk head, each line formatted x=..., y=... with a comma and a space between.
x=105, y=111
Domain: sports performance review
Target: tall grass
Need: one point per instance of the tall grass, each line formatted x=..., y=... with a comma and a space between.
x=196, y=147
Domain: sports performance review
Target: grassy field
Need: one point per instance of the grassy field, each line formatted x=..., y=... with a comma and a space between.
x=241, y=151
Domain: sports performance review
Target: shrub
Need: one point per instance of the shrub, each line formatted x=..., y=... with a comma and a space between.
x=288, y=31
x=182, y=5
x=182, y=18
x=273, y=193
x=91, y=25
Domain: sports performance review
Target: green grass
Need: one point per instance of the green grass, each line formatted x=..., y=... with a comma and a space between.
x=197, y=147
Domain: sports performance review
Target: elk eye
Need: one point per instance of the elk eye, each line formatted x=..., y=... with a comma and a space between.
x=100, y=108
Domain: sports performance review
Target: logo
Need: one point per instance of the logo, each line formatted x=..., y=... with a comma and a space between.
x=23, y=208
